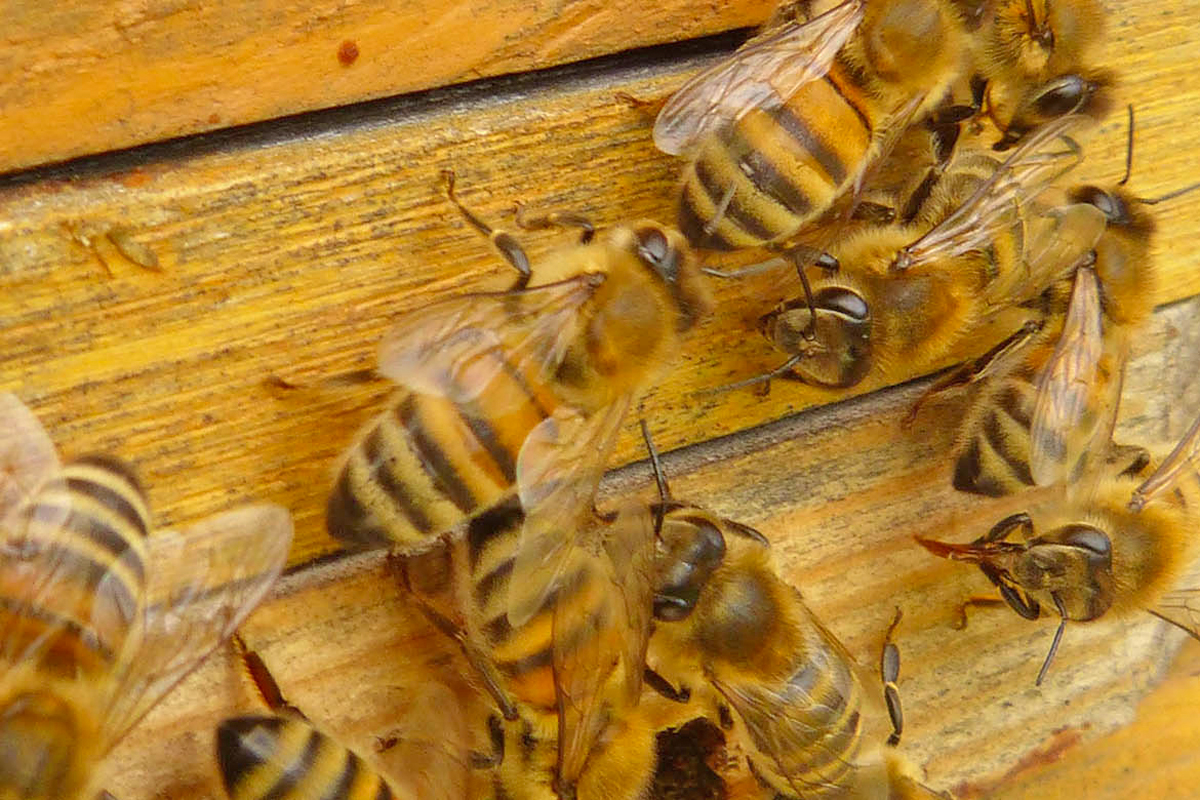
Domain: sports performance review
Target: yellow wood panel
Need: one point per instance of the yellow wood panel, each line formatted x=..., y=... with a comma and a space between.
x=89, y=76
x=346, y=646
x=289, y=252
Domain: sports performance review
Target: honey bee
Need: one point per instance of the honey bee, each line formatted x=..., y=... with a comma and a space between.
x=750, y=655
x=1111, y=545
x=518, y=393
x=103, y=614
x=275, y=756
x=792, y=122
x=1032, y=62
x=982, y=241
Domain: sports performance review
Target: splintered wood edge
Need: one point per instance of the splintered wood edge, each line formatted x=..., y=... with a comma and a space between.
x=348, y=650
x=289, y=251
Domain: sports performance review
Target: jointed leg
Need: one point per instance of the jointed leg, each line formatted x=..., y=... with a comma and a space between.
x=506, y=245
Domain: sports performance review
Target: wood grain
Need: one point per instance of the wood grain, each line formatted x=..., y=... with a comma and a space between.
x=93, y=76
x=288, y=252
x=347, y=648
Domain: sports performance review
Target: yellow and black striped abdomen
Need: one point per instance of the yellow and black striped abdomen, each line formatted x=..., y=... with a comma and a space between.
x=524, y=656
x=273, y=758
x=994, y=457
x=776, y=170
x=430, y=462
x=69, y=600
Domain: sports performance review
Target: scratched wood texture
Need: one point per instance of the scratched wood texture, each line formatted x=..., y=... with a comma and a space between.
x=288, y=248
x=348, y=649
x=91, y=76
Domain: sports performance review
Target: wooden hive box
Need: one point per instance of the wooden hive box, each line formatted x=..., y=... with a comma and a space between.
x=149, y=287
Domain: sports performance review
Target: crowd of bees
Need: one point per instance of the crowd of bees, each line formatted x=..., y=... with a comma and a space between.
x=910, y=162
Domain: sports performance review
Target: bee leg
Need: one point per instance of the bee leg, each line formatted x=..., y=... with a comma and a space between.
x=663, y=686
x=558, y=219
x=478, y=661
x=647, y=108
x=889, y=672
x=505, y=243
x=264, y=682
x=1002, y=529
x=1058, y=634
x=961, y=623
x=496, y=737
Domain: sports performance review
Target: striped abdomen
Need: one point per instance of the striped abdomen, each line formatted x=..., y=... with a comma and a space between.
x=429, y=462
x=524, y=656
x=776, y=170
x=72, y=582
x=994, y=458
x=273, y=758
x=811, y=745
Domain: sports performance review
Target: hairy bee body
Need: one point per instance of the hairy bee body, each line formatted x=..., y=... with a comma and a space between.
x=481, y=373
x=284, y=758
x=780, y=164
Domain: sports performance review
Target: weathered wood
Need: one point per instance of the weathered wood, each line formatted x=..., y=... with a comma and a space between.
x=94, y=76
x=290, y=251
x=347, y=648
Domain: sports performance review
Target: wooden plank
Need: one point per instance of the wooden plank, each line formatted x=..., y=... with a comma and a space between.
x=290, y=251
x=111, y=76
x=347, y=648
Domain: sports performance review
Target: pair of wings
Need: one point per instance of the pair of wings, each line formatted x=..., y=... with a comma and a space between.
x=456, y=347
x=200, y=583
x=764, y=73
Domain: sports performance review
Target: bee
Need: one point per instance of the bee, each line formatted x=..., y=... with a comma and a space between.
x=896, y=298
x=283, y=757
x=791, y=123
x=1111, y=545
x=752, y=657
x=1045, y=402
x=518, y=394
x=1032, y=61
x=103, y=614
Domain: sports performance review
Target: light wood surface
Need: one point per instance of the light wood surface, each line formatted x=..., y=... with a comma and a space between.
x=90, y=76
x=144, y=297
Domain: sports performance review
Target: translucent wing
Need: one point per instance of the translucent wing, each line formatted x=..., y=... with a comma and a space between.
x=764, y=73
x=558, y=469
x=1061, y=241
x=430, y=757
x=27, y=457
x=1077, y=390
x=1184, y=460
x=1181, y=608
x=201, y=584
x=455, y=348
x=629, y=542
x=1004, y=198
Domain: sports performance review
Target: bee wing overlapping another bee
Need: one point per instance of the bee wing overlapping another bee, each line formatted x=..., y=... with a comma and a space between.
x=763, y=73
x=1011, y=196
x=201, y=583
x=617, y=631
x=28, y=459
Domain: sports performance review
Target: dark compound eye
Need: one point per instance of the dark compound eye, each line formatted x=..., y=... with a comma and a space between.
x=1088, y=538
x=652, y=245
x=1064, y=95
x=844, y=302
x=1111, y=206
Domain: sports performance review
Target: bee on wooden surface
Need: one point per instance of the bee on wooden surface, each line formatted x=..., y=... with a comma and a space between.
x=981, y=241
x=102, y=614
x=792, y=122
x=1032, y=58
x=284, y=757
x=1045, y=401
x=518, y=393
x=1108, y=544
x=749, y=655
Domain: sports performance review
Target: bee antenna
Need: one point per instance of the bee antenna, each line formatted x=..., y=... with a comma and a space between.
x=1128, y=149
x=664, y=491
x=1150, y=201
x=1058, y=634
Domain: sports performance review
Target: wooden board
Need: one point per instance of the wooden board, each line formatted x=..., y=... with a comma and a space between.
x=92, y=76
x=347, y=648
x=288, y=252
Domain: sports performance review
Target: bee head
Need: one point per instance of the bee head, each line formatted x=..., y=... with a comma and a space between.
x=690, y=547
x=1090, y=95
x=834, y=349
x=1073, y=563
x=666, y=254
x=39, y=736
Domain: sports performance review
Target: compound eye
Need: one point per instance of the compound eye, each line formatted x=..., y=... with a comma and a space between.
x=844, y=302
x=1088, y=538
x=1062, y=96
x=652, y=245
